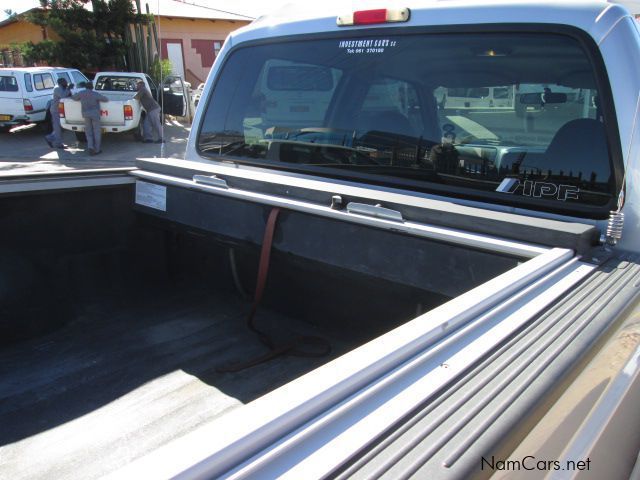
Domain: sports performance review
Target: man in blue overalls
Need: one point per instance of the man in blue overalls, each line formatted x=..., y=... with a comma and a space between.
x=90, y=103
x=54, y=139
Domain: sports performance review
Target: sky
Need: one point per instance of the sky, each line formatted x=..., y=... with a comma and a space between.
x=256, y=7
x=13, y=5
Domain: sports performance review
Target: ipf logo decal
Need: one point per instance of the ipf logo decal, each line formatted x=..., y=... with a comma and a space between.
x=529, y=188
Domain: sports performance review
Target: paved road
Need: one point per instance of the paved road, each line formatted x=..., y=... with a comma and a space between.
x=24, y=150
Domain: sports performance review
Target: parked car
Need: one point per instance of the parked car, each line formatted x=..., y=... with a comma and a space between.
x=26, y=92
x=476, y=274
x=121, y=113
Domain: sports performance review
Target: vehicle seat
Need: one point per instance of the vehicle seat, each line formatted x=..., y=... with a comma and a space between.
x=578, y=147
x=387, y=121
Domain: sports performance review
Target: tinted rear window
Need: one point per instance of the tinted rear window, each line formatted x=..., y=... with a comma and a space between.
x=512, y=115
x=299, y=78
x=117, y=83
x=8, y=84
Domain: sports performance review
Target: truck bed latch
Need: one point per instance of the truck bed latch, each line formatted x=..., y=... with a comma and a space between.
x=211, y=181
x=377, y=211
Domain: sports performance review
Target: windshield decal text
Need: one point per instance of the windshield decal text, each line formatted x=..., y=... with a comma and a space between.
x=529, y=188
x=366, y=46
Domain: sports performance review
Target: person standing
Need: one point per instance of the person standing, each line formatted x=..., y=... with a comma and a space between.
x=90, y=103
x=152, y=123
x=63, y=90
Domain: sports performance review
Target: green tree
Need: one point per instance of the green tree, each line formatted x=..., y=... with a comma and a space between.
x=89, y=39
x=160, y=69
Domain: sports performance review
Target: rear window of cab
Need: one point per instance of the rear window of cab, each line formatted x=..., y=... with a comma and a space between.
x=8, y=83
x=517, y=117
x=117, y=83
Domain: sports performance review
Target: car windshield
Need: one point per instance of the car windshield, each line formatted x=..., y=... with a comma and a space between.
x=513, y=115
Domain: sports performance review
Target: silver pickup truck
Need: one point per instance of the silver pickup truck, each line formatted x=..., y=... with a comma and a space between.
x=346, y=277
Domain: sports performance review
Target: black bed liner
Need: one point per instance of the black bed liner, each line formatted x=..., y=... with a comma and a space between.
x=119, y=382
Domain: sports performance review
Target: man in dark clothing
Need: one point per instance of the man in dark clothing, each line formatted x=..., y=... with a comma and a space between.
x=63, y=90
x=90, y=102
x=152, y=123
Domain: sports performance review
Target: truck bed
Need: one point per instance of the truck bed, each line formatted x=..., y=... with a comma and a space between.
x=114, y=316
x=112, y=325
x=120, y=381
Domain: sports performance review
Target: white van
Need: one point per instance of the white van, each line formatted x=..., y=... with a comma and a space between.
x=299, y=88
x=470, y=98
x=25, y=93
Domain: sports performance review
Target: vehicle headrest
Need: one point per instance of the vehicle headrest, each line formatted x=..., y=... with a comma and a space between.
x=389, y=121
x=580, y=145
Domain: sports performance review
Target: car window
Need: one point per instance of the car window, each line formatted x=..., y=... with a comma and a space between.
x=501, y=92
x=43, y=81
x=152, y=86
x=117, y=83
x=28, y=82
x=151, y=83
x=420, y=111
x=78, y=78
x=64, y=75
x=8, y=83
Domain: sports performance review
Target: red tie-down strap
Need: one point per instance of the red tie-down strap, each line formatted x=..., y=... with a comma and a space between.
x=318, y=346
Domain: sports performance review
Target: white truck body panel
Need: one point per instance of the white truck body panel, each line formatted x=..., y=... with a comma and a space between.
x=10, y=102
x=111, y=113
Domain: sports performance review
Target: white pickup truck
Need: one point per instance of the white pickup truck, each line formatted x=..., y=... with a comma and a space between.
x=121, y=113
x=475, y=273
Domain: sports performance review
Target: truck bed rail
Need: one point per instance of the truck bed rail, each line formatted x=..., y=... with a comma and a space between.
x=448, y=436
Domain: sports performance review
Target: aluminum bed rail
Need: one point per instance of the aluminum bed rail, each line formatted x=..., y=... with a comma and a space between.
x=487, y=409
